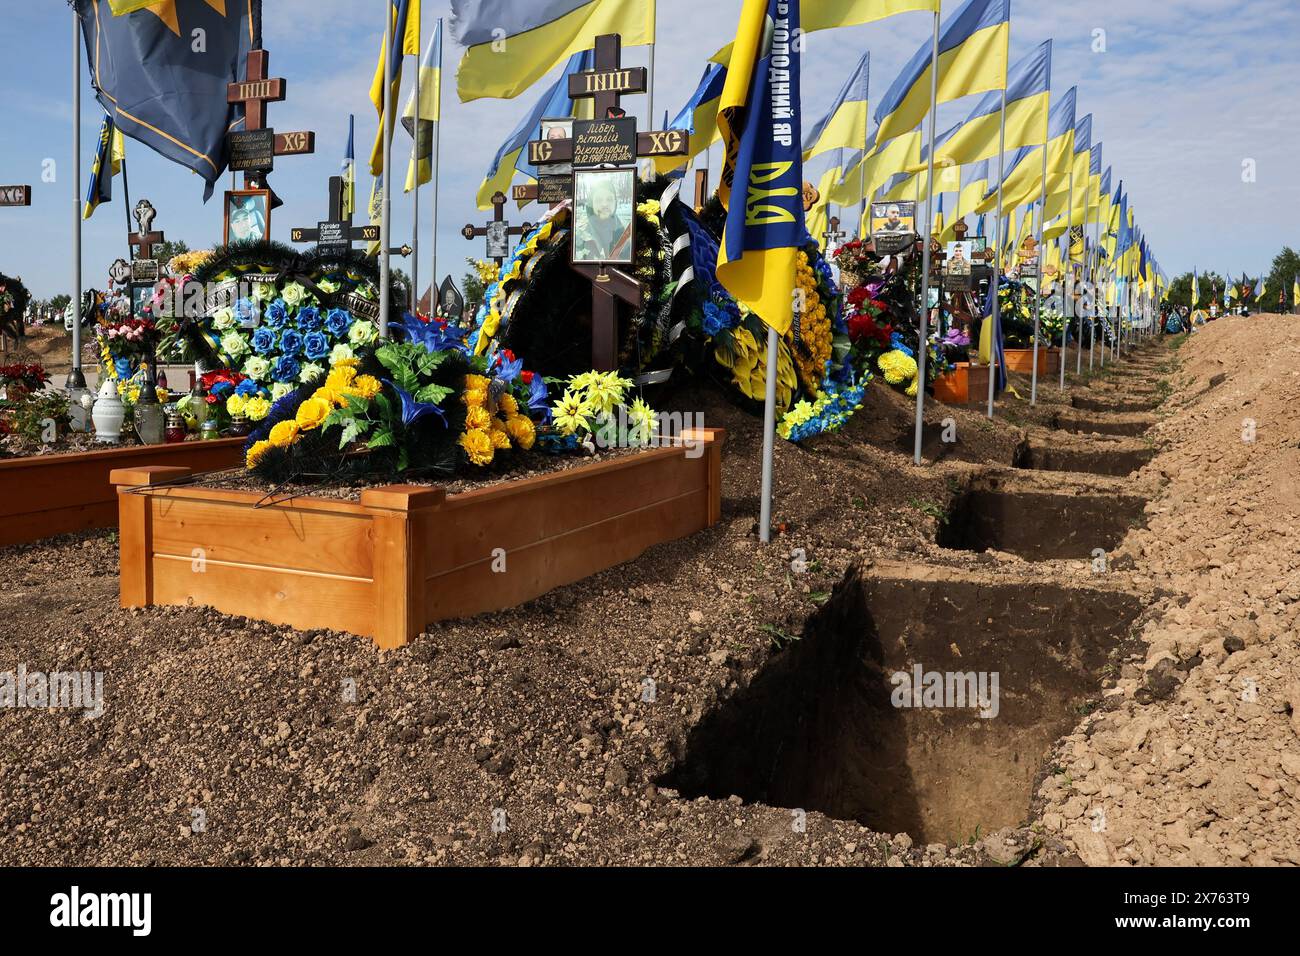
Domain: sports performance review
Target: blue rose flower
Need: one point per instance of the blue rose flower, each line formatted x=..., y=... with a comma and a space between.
x=291, y=342
x=315, y=346
x=246, y=388
x=263, y=340
x=309, y=318
x=714, y=320
x=286, y=369
x=222, y=389
x=277, y=313
x=338, y=322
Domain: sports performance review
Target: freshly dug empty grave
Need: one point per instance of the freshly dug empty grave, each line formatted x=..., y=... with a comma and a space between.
x=1130, y=425
x=1106, y=403
x=830, y=724
x=1062, y=452
x=1040, y=517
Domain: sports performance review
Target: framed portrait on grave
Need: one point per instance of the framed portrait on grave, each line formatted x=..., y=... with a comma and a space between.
x=893, y=226
x=553, y=129
x=247, y=215
x=603, y=216
x=498, y=240
x=959, y=259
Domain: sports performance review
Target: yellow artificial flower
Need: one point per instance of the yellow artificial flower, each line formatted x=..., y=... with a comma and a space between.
x=473, y=382
x=341, y=377
x=522, y=431
x=284, y=434
x=474, y=397
x=256, y=408
x=478, y=418
x=325, y=394
x=507, y=405
x=478, y=446
x=570, y=414
x=235, y=404
x=366, y=386
x=256, y=454
x=312, y=414
x=500, y=437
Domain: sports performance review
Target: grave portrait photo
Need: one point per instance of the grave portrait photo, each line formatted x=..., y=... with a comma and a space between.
x=603, y=215
x=248, y=215
x=556, y=130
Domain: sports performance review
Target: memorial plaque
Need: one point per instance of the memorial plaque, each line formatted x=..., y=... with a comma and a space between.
x=145, y=270
x=252, y=150
x=554, y=189
x=450, y=299
x=15, y=195
x=333, y=234
x=604, y=142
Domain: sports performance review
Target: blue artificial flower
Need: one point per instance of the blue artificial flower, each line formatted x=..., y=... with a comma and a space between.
x=291, y=342
x=222, y=389
x=277, y=313
x=246, y=388
x=287, y=369
x=315, y=346
x=714, y=321
x=245, y=311
x=896, y=341
x=123, y=368
x=338, y=322
x=434, y=336
x=263, y=340
x=413, y=411
x=539, y=398
x=309, y=318
x=507, y=370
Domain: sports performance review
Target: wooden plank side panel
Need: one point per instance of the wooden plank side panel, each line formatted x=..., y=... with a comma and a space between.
x=563, y=559
x=273, y=537
x=35, y=525
x=469, y=527
x=304, y=601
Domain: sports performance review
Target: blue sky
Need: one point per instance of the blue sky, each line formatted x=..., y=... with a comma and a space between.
x=1186, y=91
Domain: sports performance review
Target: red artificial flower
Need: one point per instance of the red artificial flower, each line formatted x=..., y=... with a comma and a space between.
x=526, y=377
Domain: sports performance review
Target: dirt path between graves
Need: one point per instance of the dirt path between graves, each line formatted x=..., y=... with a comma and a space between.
x=718, y=703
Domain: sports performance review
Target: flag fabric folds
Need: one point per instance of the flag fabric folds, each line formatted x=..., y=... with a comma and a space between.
x=845, y=123
x=699, y=117
x=512, y=155
x=418, y=118
x=510, y=46
x=404, y=38
x=349, y=172
x=110, y=150
x=829, y=14
x=761, y=186
x=148, y=80
x=973, y=52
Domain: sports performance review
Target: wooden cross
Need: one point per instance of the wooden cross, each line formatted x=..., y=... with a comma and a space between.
x=834, y=234
x=255, y=92
x=472, y=232
x=144, y=239
x=340, y=233
x=15, y=195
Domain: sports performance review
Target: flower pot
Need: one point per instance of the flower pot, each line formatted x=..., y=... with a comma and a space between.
x=108, y=414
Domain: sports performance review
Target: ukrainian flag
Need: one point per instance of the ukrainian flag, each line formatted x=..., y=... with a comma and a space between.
x=1023, y=180
x=875, y=167
x=1028, y=105
x=699, y=117
x=349, y=172
x=419, y=119
x=829, y=14
x=510, y=46
x=973, y=52
x=512, y=156
x=845, y=124
x=817, y=217
x=109, y=154
x=760, y=124
x=1295, y=293
x=404, y=24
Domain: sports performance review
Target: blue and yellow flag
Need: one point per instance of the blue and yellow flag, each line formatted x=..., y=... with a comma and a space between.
x=404, y=37
x=699, y=117
x=349, y=171
x=761, y=131
x=1196, y=289
x=1028, y=94
x=418, y=119
x=829, y=14
x=143, y=69
x=510, y=46
x=109, y=153
x=973, y=53
x=845, y=123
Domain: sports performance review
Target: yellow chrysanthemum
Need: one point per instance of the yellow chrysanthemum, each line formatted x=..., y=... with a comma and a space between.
x=474, y=397
x=507, y=405
x=476, y=381
x=256, y=408
x=312, y=414
x=284, y=434
x=478, y=418
x=257, y=453
x=325, y=394
x=366, y=386
x=341, y=377
x=522, y=431
x=235, y=404
x=500, y=437
x=478, y=446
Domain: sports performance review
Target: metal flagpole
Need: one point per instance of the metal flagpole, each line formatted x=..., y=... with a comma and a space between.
x=437, y=135
x=1067, y=285
x=76, y=379
x=1038, y=299
x=923, y=343
x=385, y=293
x=996, y=318
x=769, y=439
x=415, y=203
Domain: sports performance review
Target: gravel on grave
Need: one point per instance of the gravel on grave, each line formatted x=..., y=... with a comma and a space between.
x=314, y=748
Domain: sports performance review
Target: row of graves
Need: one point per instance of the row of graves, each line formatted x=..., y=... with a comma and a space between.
x=373, y=485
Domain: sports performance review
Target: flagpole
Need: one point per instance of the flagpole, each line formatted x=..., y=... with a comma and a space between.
x=1038, y=299
x=922, y=344
x=996, y=318
x=76, y=378
x=1067, y=287
x=437, y=135
x=415, y=203
x=862, y=163
x=385, y=206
